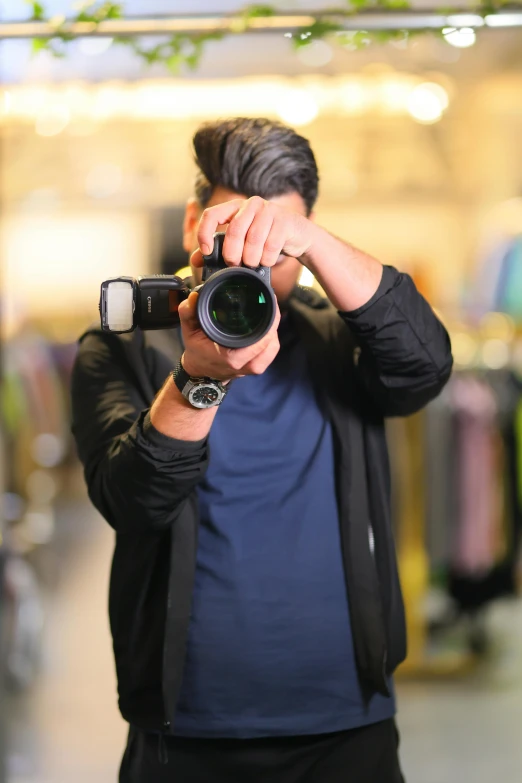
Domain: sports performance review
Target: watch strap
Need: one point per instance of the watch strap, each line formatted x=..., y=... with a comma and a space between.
x=181, y=378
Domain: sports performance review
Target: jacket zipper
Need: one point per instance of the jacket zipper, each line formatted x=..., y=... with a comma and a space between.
x=384, y=659
x=371, y=541
x=371, y=546
x=163, y=756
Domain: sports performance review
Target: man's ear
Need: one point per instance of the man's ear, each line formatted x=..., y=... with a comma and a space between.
x=190, y=223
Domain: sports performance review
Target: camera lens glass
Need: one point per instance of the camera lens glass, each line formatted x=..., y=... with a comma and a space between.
x=239, y=305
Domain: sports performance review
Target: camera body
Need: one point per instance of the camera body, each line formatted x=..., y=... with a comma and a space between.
x=236, y=305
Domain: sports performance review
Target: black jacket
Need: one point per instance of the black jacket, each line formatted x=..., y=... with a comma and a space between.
x=389, y=358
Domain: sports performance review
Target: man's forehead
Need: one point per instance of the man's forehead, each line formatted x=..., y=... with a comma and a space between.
x=291, y=200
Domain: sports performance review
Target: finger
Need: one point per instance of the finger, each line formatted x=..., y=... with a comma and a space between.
x=213, y=217
x=196, y=259
x=188, y=313
x=262, y=344
x=238, y=358
x=274, y=242
x=256, y=237
x=234, y=243
x=277, y=320
x=263, y=360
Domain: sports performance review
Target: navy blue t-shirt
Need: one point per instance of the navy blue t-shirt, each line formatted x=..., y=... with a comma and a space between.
x=270, y=649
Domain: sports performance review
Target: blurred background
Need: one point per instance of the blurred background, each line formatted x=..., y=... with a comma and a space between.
x=418, y=145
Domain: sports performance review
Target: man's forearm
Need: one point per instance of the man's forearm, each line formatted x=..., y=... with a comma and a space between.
x=348, y=276
x=172, y=415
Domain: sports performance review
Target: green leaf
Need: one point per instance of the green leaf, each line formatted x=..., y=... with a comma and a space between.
x=216, y=35
x=361, y=39
x=192, y=60
x=115, y=11
x=257, y=11
x=47, y=45
x=108, y=10
x=319, y=29
x=174, y=62
x=395, y=4
x=360, y=5
x=100, y=14
x=39, y=45
x=151, y=55
x=175, y=43
x=38, y=11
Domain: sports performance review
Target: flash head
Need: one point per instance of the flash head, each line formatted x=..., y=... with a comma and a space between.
x=118, y=304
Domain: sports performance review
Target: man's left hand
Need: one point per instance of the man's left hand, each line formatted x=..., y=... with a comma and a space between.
x=258, y=232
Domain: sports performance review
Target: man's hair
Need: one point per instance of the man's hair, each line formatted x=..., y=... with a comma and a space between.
x=254, y=157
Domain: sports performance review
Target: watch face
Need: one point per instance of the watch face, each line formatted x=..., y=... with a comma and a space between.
x=205, y=396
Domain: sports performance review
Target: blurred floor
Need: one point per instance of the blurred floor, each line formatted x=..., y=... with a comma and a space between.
x=469, y=730
x=69, y=730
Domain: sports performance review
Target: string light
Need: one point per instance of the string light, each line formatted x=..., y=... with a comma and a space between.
x=52, y=120
x=298, y=107
x=53, y=108
x=427, y=103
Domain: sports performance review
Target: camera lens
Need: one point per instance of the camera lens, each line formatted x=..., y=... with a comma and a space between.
x=236, y=307
x=239, y=306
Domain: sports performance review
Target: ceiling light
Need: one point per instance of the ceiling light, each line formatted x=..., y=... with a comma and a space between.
x=465, y=20
x=461, y=38
x=504, y=20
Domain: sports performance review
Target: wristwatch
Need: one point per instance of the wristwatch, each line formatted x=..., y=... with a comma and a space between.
x=200, y=392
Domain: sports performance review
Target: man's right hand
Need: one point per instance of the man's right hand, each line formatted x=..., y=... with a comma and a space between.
x=204, y=358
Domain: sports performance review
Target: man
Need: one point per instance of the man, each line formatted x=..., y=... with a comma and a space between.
x=254, y=600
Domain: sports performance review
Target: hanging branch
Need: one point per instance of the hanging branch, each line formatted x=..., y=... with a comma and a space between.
x=186, y=49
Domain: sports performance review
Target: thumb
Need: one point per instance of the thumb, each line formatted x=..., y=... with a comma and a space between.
x=188, y=312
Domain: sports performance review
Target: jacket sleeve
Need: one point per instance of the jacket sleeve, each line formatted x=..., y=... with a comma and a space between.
x=136, y=477
x=405, y=353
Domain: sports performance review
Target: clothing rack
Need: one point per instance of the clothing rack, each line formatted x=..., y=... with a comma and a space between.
x=457, y=502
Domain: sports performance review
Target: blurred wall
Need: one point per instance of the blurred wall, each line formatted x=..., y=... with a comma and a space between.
x=81, y=204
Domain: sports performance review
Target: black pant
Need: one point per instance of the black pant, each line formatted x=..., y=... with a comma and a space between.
x=366, y=755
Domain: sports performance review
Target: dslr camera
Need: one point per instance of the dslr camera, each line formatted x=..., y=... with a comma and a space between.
x=236, y=305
